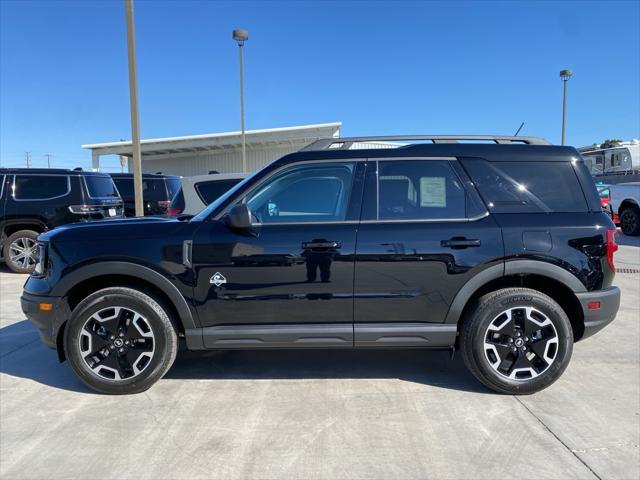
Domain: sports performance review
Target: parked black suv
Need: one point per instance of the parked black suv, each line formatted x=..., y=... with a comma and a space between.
x=157, y=191
x=34, y=200
x=499, y=250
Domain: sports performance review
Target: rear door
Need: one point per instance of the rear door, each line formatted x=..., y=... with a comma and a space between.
x=424, y=233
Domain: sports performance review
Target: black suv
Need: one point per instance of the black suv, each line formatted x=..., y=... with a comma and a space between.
x=157, y=191
x=35, y=200
x=499, y=250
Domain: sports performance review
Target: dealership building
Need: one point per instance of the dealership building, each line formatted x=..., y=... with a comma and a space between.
x=221, y=152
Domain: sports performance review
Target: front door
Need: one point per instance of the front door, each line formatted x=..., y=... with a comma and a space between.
x=423, y=236
x=289, y=278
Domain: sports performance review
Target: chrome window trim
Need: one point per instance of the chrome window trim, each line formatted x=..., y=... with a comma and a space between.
x=332, y=222
x=4, y=179
x=430, y=220
x=13, y=186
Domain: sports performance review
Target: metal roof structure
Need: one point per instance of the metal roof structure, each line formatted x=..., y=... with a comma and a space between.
x=220, y=141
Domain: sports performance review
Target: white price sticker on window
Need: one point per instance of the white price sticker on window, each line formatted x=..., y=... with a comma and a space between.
x=433, y=192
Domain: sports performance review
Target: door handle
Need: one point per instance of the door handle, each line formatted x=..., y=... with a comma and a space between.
x=460, y=242
x=324, y=244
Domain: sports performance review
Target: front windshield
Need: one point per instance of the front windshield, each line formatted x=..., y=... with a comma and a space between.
x=220, y=200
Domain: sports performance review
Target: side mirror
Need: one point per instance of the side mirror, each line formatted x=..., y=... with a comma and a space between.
x=239, y=217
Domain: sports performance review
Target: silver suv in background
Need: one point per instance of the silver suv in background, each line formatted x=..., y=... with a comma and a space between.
x=197, y=192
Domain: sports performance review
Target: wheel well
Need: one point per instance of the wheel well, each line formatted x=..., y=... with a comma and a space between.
x=556, y=290
x=626, y=204
x=83, y=289
x=16, y=227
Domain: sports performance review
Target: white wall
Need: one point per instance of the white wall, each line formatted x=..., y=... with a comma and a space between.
x=224, y=161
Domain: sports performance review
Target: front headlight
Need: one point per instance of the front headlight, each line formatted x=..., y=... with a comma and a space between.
x=41, y=264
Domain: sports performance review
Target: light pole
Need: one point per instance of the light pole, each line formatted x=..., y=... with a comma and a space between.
x=133, y=100
x=241, y=36
x=565, y=75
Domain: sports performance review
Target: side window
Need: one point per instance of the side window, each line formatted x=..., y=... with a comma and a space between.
x=308, y=193
x=419, y=190
x=40, y=187
x=520, y=187
x=210, y=191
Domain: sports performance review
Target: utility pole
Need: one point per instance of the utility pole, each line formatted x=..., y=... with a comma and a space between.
x=27, y=157
x=133, y=98
x=48, y=155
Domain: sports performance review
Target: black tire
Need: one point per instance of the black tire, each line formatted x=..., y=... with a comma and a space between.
x=162, y=340
x=488, y=319
x=630, y=220
x=21, y=239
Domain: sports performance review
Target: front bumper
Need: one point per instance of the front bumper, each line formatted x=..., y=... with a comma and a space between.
x=47, y=322
x=596, y=319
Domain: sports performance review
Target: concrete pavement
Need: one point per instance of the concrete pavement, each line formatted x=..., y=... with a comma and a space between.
x=323, y=414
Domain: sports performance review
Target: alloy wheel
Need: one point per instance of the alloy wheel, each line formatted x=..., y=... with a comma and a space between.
x=628, y=221
x=23, y=252
x=521, y=343
x=117, y=343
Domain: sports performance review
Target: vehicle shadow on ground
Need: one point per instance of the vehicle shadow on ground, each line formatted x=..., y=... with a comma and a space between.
x=22, y=355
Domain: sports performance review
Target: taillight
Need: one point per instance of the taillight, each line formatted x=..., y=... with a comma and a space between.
x=174, y=211
x=612, y=247
x=604, y=202
x=85, y=209
x=164, y=203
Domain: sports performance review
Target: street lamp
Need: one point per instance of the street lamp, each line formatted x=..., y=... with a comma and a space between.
x=241, y=36
x=565, y=75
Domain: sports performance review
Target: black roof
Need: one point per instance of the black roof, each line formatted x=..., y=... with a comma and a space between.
x=492, y=152
x=50, y=171
x=144, y=175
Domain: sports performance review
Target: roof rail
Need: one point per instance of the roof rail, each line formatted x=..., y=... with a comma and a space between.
x=347, y=142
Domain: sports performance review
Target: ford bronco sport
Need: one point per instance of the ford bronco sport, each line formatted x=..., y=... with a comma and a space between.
x=499, y=250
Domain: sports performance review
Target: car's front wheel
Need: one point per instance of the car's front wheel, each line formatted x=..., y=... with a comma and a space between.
x=120, y=341
x=21, y=251
x=516, y=340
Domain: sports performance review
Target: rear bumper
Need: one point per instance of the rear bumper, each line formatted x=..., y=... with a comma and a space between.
x=596, y=319
x=47, y=322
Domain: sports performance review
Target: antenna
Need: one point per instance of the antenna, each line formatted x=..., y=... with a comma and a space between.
x=519, y=128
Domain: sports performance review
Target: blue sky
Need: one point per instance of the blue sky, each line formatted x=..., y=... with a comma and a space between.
x=379, y=67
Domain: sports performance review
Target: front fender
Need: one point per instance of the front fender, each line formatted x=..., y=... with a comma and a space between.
x=94, y=270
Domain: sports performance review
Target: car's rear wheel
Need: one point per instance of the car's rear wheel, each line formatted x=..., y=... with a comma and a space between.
x=21, y=251
x=120, y=341
x=516, y=340
x=630, y=220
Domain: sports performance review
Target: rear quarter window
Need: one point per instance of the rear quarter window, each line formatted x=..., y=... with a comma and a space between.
x=100, y=186
x=173, y=185
x=527, y=187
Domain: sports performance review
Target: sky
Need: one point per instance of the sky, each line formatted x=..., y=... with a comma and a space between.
x=381, y=68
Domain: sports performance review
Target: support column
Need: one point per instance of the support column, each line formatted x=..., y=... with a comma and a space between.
x=95, y=160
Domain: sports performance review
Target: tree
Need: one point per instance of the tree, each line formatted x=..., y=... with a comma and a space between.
x=610, y=142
